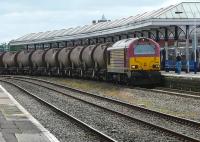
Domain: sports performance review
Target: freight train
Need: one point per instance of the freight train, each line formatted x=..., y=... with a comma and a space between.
x=134, y=60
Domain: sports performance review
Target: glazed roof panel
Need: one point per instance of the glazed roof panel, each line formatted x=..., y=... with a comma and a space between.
x=184, y=10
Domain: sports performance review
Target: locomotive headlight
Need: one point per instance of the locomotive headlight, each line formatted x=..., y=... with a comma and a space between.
x=156, y=66
x=134, y=66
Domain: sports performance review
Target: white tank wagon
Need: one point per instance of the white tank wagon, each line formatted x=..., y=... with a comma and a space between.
x=87, y=56
x=9, y=59
x=99, y=56
x=37, y=58
x=24, y=58
x=1, y=59
x=64, y=57
x=51, y=57
x=76, y=57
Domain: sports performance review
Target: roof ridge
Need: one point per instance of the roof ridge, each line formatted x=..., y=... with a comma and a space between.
x=167, y=9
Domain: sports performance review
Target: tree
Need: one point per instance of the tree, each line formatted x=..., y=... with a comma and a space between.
x=4, y=47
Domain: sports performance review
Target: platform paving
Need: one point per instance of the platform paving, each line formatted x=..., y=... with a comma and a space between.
x=17, y=125
x=183, y=74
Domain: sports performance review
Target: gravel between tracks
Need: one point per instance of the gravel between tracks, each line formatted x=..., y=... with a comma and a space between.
x=120, y=128
x=179, y=106
x=184, y=129
x=65, y=130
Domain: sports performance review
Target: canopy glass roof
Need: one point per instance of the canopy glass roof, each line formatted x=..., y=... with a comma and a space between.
x=184, y=10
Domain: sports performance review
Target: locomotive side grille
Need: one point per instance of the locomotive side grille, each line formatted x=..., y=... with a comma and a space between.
x=117, y=61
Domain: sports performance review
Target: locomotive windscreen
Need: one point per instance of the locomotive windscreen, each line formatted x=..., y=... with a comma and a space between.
x=144, y=49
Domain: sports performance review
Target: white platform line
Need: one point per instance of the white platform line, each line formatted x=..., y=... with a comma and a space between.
x=50, y=136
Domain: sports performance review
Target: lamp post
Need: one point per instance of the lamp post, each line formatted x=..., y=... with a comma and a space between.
x=195, y=43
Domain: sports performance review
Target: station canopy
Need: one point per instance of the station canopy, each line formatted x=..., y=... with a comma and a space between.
x=184, y=13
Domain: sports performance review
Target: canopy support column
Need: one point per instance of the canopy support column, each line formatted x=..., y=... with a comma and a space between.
x=157, y=36
x=187, y=50
x=142, y=34
x=134, y=35
x=176, y=41
x=166, y=50
x=50, y=45
x=176, y=47
x=149, y=34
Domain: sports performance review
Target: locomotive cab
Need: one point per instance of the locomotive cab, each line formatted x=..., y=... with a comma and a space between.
x=144, y=55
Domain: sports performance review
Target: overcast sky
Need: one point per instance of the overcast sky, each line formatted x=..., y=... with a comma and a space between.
x=19, y=17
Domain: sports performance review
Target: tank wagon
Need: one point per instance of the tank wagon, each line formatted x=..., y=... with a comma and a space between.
x=88, y=61
x=51, y=60
x=64, y=60
x=100, y=59
x=9, y=60
x=38, y=61
x=134, y=60
x=1, y=62
x=24, y=61
x=76, y=61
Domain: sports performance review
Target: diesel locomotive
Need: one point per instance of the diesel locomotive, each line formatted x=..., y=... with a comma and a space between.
x=133, y=60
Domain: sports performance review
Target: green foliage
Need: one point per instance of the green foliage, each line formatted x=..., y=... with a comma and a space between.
x=7, y=47
x=16, y=48
x=4, y=47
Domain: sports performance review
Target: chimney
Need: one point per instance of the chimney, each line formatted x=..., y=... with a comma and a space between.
x=94, y=22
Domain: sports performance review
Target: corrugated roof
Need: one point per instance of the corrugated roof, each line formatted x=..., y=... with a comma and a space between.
x=188, y=10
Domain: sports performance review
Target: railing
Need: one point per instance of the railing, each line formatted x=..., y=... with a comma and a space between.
x=171, y=65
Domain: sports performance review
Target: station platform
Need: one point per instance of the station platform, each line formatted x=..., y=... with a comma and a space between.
x=182, y=75
x=183, y=81
x=17, y=125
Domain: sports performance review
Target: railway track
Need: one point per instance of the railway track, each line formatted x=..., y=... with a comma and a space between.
x=181, y=124
x=168, y=91
x=103, y=136
x=176, y=92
